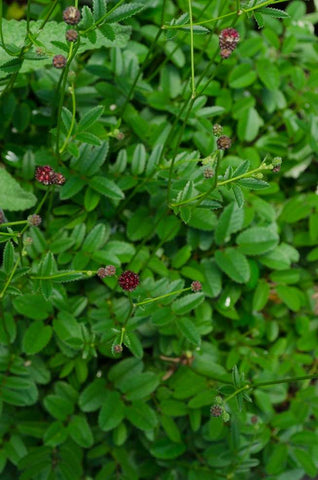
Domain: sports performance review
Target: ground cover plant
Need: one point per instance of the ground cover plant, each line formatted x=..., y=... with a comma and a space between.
x=158, y=237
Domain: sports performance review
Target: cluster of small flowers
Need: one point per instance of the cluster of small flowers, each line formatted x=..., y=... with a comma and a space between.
x=108, y=271
x=71, y=16
x=218, y=410
x=228, y=40
x=47, y=176
x=34, y=220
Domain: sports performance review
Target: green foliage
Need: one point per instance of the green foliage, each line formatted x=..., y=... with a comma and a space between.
x=167, y=380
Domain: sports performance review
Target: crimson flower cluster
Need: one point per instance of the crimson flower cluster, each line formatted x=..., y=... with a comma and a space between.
x=47, y=176
x=228, y=40
x=128, y=280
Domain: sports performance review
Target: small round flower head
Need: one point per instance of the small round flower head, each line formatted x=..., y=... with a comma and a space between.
x=34, y=220
x=71, y=15
x=217, y=130
x=225, y=417
x=108, y=271
x=224, y=142
x=277, y=163
x=71, y=35
x=117, y=348
x=27, y=241
x=228, y=40
x=208, y=172
x=59, y=61
x=128, y=280
x=254, y=419
x=58, y=178
x=216, y=410
x=196, y=286
x=44, y=174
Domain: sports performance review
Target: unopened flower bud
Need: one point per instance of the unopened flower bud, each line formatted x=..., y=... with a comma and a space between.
x=217, y=130
x=225, y=417
x=117, y=348
x=34, y=220
x=216, y=410
x=71, y=35
x=277, y=163
x=224, y=142
x=71, y=15
x=59, y=61
x=208, y=172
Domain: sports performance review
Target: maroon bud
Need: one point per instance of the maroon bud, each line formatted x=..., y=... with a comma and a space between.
x=216, y=410
x=71, y=15
x=254, y=419
x=108, y=271
x=44, y=175
x=34, y=220
x=228, y=40
x=58, y=178
x=117, y=348
x=224, y=142
x=59, y=61
x=71, y=35
x=196, y=286
x=217, y=130
x=128, y=280
x=208, y=172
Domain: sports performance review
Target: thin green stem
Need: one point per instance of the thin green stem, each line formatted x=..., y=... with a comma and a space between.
x=7, y=234
x=250, y=386
x=246, y=387
x=9, y=224
x=25, y=48
x=284, y=380
x=89, y=273
x=37, y=210
x=71, y=55
x=155, y=299
x=238, y=5
x=227, y=15
x=72, y=90
x=10, y=277
x=28, y=16
x=201, y=196
x=192, y=50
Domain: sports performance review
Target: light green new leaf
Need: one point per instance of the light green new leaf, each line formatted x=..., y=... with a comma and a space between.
x=12, y=196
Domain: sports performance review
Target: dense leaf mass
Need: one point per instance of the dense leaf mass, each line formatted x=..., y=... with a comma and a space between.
x=158, y=240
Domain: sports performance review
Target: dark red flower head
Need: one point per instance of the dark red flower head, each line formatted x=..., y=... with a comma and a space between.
x=228, y=40
x=196, y=286
x=128, y=280
x=44, y=175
